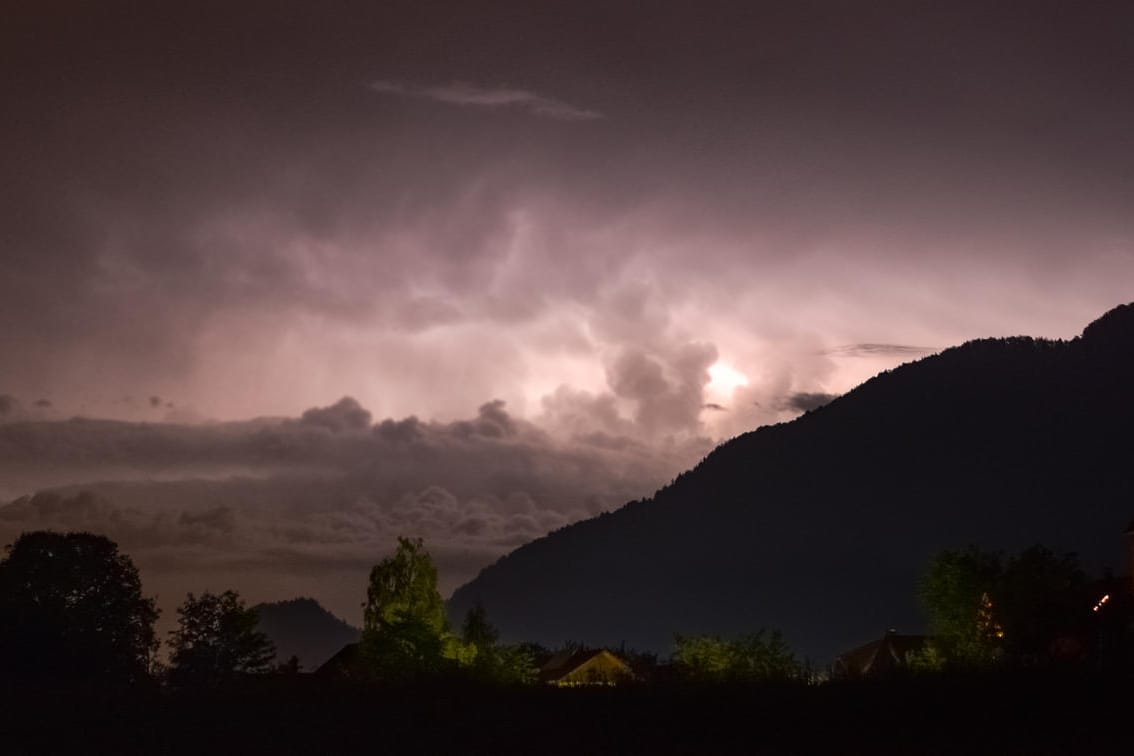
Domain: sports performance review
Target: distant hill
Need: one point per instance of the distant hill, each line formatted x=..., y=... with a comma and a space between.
x=303, y=628
x=822, y=526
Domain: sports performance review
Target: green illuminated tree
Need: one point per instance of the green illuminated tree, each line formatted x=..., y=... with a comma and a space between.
x=957, y=592
x=404, y=587
x=984, y=608
x=758, y=657
x=405, y=634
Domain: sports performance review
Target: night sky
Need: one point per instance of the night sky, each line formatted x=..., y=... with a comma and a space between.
x=552, y=252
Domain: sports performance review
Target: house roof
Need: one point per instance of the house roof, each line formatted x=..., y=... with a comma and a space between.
x=342, y=663
x=880, y=655
x=563, y=664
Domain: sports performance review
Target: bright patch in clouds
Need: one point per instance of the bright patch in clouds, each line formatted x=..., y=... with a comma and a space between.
x=724, y=379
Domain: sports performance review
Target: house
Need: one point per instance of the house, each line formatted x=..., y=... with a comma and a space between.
x=345, y=664
x=585, y=667
x=878, y=658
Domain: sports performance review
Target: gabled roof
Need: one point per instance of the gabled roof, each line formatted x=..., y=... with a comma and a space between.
x=878, y=657
x=586, y=665
x=342, y=664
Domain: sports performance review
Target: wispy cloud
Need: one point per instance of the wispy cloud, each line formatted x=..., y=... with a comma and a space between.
x=489, y=97
x=885, y=350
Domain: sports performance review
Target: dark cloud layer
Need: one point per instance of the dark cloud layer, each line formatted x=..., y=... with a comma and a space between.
x=806, y=401
x=324, y=496
x=346, y=414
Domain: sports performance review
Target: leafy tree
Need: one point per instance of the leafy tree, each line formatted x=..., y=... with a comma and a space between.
x=539, y=654
x=476, y=630
x=71, y=608
x=984, y=608
x=216, y=640
x=493, y=662
x=703, y=657
x=644, y=663
x=759, y=657
x=1042, y=596
x=405, y=634
x=512, y=665
x=404, y=587
x=957, y=592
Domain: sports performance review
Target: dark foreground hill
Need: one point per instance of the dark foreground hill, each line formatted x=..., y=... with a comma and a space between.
x=822, y=526
x=301, y=627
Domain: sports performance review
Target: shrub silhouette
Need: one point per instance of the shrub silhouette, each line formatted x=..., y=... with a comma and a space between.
x=216, y=641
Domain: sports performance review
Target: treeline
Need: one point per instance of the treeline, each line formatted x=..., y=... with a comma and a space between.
x=406, y=638
x=72, y=611
x=1035, y=608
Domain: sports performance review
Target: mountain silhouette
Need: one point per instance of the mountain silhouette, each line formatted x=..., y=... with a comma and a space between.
x=823, y=525
x=302, y=628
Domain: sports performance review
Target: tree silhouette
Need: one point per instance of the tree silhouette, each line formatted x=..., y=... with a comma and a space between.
x=492, y=662
x=71, y=608
x=1043, y=597
x=477, y=631
x=216, y=640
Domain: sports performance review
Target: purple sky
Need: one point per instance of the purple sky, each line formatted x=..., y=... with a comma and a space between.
x=643, y=227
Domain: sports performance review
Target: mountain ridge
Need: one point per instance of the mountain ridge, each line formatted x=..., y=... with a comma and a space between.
x=822, y=525
x=301, y=627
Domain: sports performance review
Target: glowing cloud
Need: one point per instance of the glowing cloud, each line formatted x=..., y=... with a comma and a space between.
x=724, y=379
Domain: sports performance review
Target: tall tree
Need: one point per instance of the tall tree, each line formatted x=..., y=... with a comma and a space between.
x=216, y=640
x=1043, y=597
x=71, y=607
x=957, y=593
x=490, y=661
x=477, y=631
x=984, y=607
x=403, y=588
x=405, y=634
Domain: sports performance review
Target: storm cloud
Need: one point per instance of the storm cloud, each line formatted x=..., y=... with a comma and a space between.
x=216, y=205
x=622, y=234
x=321, y=497
x=806, y=401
